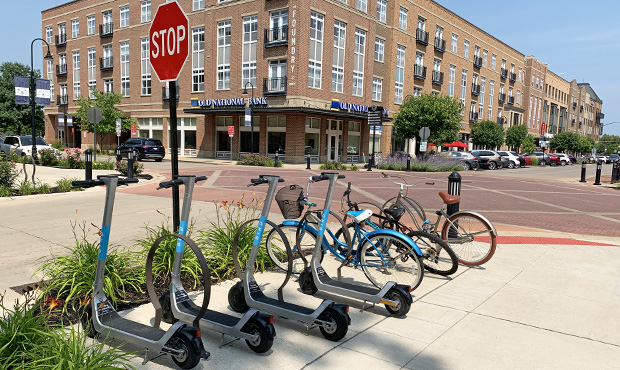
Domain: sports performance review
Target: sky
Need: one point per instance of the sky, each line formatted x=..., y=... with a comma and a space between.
x=578, y=40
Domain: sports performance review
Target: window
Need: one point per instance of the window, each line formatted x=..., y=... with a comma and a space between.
x=276, y=134
x=484, y=58
x=313, y=126
x=49, y=34
x=145, y=11
x=491, y=92
x=353, y=141
x=451, y=80
x=92, y=72
x=108, y=86
x=75, y=28
x=379, y=49
x=90, y=24
x=518, y=96
x=512, y=68
x=315, y=62
x=419, y=60
x=476, y=51
x=50, y=75
x=250, y=35
x=125, y=68
x=145, y=66
x=421, y=24
x=377, y=88
x=62, y=60
x=76, y=75
x=107, y=55
x=493, y=61
x=198, y=63
x=533, y=79
x=503, y=63
x=438, y=33
x=481, y=101
x=463, y=86
x=62, y=31
x=402, y=19
x=381, y=10
x=466, y=49
x=509, y=92
x=537, y=81
x=277, y=75
x=198, y=4
x=223, y=55
x=400, y=74
x=361, y=5
x=417, y=92
x=501, y=88
x=358, y=62
x=455, y=40
x=124, y=16
x=340, y=29
x=521, y=75
x=437, y=65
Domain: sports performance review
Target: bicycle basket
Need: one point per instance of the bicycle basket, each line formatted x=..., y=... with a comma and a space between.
x=288, y=200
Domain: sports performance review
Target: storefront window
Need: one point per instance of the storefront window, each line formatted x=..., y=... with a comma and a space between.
x=245, y=136
x=353, y=142
x=222, y=141
x=313, y=126
x=276, y=134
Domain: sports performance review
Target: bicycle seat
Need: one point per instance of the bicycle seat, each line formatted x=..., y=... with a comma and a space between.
x=395, y=213
x=360, y=216
x=449, y=199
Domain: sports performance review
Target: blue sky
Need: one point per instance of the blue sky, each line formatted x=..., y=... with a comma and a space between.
x=578, y=40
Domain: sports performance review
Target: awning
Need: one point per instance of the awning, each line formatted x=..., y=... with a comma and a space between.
x=456, y=144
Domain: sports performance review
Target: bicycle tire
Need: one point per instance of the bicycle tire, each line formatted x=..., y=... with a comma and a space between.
x=439, y=258
x=403, y=265
x=468, y=238
x=277, y=251
x=413, y=221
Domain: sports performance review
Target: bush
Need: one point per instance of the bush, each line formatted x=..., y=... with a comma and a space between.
x=432, y=163
x=64, y=184
x=5, y=191
x=48, y=157
x=73, y=159
x=122, y=167
x=43, y=188
x=534, y=160
x=354, y=168
x=104, y=165
x=8, y=171
x=333, y=166
x=257, y=160
x=27, y=188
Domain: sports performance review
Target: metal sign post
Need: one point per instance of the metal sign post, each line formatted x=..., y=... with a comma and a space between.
x=118, y=131
x=231, y=133
x=93, y=114
x=424, y=133
x=375, y=118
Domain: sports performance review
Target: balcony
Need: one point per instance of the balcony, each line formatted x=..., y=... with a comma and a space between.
x=276, y=36
x=438, y=77
x=574, y=106
x=511, y=100
x=475, y=89
x=572, y=122
x=419, y=72
x=473, y=117
x=440, y=45
x=600, y=116
x=165, y=93
x=513, y=77
x=501, y=120
x=421, y=36
x=503, y=73
x=477, y=62
x=106, y=64
x=106, y=29
x=62, y=100
x=501, y=97
x=581, y=108
x=61, y=70
x=274, y=86
x=61, y=40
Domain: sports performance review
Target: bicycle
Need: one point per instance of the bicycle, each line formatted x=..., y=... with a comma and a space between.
x=470, y=235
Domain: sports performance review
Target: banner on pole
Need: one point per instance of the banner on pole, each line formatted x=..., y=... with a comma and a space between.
x=61, y=120
x=22, y=91
x=248, y=117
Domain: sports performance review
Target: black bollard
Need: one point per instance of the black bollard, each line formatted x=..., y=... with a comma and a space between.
x=277, y=160
x=583, y=172
x=307, y=161
x=408, y=162
x=130, y=164
x=599, y=168
x=614, y=173
x=454, y=188
x=118, y=154
x=88, y=164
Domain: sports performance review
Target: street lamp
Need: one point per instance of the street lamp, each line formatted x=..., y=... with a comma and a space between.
x=33, y=87
x=245, y=92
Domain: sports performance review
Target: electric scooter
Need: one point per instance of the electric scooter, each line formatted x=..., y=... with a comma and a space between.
x=256, y=328
x=332, y=319
x=100, y=318
x=396, y=297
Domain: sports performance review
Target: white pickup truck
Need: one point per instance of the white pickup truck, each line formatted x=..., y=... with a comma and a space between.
x=22, y=145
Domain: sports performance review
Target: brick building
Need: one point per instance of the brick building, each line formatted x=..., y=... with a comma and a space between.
x=311, y=69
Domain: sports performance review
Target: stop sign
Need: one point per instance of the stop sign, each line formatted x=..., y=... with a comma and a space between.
x=169, y=41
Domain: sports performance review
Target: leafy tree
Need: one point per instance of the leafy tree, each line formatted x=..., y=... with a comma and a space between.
x=612, y=142
x=529, y=144
x=109, y=113
x=585, y=145
x=440, y=113
x=565, y=141
x=488, y=134
x=17, y=118
x=515, y=135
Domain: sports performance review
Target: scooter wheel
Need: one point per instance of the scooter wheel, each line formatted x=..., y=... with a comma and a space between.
x=190, y=356
x=338, y=328
x=166, y=308
x=236, y=298
x=402, y=305
x=264, y=341
x=87, y=322
x=306, y=282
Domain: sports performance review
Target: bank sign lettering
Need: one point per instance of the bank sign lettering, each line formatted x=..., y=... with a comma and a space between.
x=227, y=102
x=358, y=108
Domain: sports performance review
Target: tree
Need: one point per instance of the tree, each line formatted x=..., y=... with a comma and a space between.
x=585, y=145
x=109, y=113
x=515, y=135
x=487, y=134
x=612, y=142
x=17, y=118
x=529, y=144
x=565, y=141
x=441, y=114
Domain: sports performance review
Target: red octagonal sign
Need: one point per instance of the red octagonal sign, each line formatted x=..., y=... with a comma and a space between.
x=168, y=41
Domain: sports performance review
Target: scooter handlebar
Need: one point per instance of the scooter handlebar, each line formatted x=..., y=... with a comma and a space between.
x=261, y=180
x=323, y=176
x=168, y=184
x=87, y=183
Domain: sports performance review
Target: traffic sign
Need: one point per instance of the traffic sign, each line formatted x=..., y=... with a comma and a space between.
x=423, y=145
x=169, y=41
x=93, y=114
x=375, y=115
x=231, y=131
x=425, y=132
x=118, y=127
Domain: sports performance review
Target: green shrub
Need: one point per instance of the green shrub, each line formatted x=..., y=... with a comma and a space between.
x=333, y=166
x=27, y=188
x=354, y=168
x=58, y=145
x=73, y=159
x=433, y=163
x=64, y=184
x=5, y=191
x=104, y=165
x=534, y=160
x=8, y=171
x=257, y=160
x=122, y=167
x=48, y=157
x=43, y=188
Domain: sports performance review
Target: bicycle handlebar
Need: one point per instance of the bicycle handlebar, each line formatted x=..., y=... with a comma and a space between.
x=387, y=176
x=167, y=184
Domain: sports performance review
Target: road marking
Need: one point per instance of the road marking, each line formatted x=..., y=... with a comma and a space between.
x=211, y=180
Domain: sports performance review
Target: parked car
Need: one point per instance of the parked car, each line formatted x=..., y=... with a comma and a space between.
x=525, y=160
x=488, y=159
x=543, y=157
x=588, y=158
x=22, y=145
x=143, y=148
x=613, y=158
x=466, y=159
x=572, y=158
x=564, y=159
x=512, y=159
x=601, y=158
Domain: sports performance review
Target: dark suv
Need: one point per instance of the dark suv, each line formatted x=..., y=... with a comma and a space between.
x=143, y=148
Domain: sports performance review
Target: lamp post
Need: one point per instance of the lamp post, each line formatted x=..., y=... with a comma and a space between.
x=245, y=92
x=33, y=87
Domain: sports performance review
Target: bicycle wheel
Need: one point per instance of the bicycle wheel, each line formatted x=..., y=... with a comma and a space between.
x=386, y=257
x=414, y=214
x=277, y=251
x=439, y=258
x=470, y=237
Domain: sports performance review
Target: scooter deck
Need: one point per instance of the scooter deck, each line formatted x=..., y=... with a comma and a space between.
x=260, y=297
x=344, y=285
x=113, y=320
x=190, y=308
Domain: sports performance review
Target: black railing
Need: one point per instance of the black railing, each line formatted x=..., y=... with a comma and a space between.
x=501, y=120
x=419, y=72
x=438, y=77
x=106, y=64
x=511, y=100
x=61, y=70
x=165, y=93
x=106, y=29
x=572, y=122
x=513, y=77
x=503, y=73
x=501, y=98
x=440, y=45
x=473, y=117
x=475, y=89
x=274, y=86
x=62, y=100
x=581, y=108
x=276, y=36
x=574, y=105
x=477, y=62
x=61, y=40
x=421, y=36
x=600, y=115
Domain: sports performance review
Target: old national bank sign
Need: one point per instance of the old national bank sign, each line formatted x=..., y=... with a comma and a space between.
x=235, y=102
